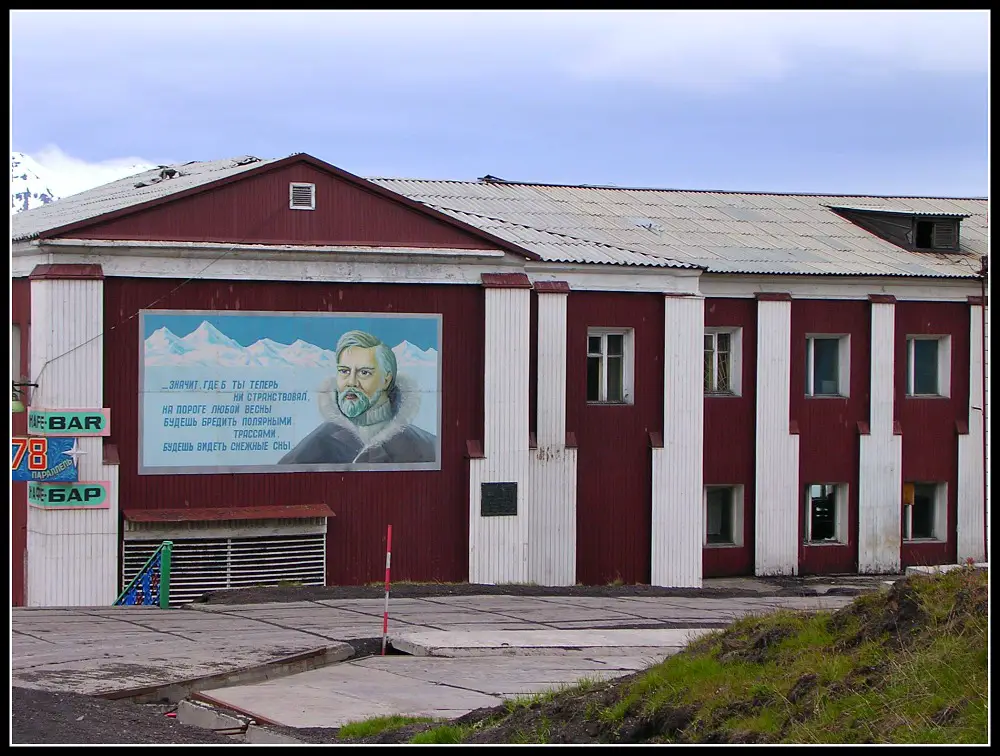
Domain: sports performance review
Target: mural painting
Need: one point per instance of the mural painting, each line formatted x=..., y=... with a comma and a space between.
x=288, y=392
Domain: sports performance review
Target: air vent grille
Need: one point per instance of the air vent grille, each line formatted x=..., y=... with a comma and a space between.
x=200, y=565
x=945, y=235
x=302, y=196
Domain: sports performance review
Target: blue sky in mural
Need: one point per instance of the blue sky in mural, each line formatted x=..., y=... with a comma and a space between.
x=892, y=102
x=320, y=330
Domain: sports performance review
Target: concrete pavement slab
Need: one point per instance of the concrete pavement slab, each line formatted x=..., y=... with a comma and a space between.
x=551, y=642
x=706, y=620
x=334, y=696
x=417, y=686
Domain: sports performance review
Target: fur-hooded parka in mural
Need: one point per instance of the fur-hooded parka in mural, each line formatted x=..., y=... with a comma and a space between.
x=343, y=440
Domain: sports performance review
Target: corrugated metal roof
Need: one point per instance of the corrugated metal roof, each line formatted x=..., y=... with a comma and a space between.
x=730, y=232
x=738, y=232
x=126, y=192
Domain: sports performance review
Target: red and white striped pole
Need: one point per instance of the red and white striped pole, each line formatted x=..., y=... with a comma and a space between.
x=385, y=613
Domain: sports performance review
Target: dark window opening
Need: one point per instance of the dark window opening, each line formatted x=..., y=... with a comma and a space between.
x=823, y=368
x=822, y=513
x=925, y=366
x=719, y=517
x=918, y=517
x=593, y=379
x=925, y=234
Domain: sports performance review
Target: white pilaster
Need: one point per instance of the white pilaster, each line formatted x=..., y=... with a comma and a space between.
x=498, y=545
x=552, y=494
x=880, y=463
x=776, y=539
x=677, y=516
x=72, y=553
x=971, y=485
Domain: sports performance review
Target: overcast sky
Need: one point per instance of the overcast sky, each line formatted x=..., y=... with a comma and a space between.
x=867, y=103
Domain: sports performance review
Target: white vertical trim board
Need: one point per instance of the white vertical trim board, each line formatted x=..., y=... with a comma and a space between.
x=880, y=461
x=677, y=501
x=972, y=501
x=498, y=545
x=777, y=496
x=72, y=553
x=551, y=394
x=552, y=482
x=552, y=516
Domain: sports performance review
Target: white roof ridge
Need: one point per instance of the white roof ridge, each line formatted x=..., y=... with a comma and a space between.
x=615, y=187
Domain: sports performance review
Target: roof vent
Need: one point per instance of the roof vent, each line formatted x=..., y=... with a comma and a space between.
x=302, y=196
x=648, y=224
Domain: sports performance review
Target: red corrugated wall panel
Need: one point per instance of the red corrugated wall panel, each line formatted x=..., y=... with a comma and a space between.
x=428, y=510
x=828, y=427
x=730, y=436
x=20, y=315
x=930, y=443
x=255, y=210
x=614, y=480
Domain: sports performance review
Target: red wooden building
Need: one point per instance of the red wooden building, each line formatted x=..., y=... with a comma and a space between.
x=641, y=385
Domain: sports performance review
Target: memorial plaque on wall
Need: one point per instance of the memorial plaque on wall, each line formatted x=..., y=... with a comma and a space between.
x=499, y=499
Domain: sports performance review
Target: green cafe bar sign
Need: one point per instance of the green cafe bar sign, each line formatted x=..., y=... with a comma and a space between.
x=88, y=495
x=69, y=422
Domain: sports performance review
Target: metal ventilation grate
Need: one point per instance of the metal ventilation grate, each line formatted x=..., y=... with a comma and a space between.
x=200, y=565
x=945, y=235
x=302, y=196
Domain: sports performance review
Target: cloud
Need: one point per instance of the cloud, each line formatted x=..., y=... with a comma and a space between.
x=709, y=50
x=68, y=175
x=703, y=50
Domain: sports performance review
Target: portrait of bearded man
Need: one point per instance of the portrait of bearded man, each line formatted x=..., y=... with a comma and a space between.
x=368, y=410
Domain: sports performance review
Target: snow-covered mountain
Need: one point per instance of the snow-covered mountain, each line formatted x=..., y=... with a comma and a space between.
x=30, y=184
x=33, y=184
x=207, y=346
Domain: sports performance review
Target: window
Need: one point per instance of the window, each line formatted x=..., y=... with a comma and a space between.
x=723, y=516
x=924, y=511
x=722, y=360
x=609, y=366
x=828, y=365
x=939, y=235
x=826, y=509
x=928, y=362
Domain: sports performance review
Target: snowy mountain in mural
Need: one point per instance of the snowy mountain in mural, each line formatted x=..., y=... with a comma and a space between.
x=30, y=185
x=207, y=346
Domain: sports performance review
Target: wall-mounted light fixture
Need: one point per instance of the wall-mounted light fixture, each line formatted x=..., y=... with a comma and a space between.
x=19, y=394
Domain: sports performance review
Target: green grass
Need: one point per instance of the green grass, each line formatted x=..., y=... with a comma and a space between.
x=853, y=686
x=377, y=725
x=582, y=685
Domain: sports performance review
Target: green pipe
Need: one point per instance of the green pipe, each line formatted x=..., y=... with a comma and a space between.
x=167, y=547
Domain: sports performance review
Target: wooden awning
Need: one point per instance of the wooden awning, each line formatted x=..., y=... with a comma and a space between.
x=195, y=514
